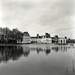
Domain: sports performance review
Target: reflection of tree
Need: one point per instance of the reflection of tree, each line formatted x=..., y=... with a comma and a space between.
x=17, y=52
x=11, y=53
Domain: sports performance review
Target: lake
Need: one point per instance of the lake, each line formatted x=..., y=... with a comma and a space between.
x=37, y=59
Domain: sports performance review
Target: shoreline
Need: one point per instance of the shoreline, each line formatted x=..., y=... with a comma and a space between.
x=19, y=44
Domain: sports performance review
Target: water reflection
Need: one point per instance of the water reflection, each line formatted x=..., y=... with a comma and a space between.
x=26, y=51
x=47, y=51
x=60, y=48
x=15, y=52
x=39, y=59
x=70, y=70
x=12, y=53
x=38, y=50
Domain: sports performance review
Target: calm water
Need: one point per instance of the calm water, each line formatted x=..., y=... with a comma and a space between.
x=37, y=59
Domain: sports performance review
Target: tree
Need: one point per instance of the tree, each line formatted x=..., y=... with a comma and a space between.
x=65, y=37
x=56, y=36
x=7, y=35
x=47, y=35
x=1, y=32
x=17, y=34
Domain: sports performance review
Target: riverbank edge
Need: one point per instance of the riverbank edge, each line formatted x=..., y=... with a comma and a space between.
x=30, y=44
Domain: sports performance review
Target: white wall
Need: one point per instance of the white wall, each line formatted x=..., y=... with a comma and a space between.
x=45, y=40
x=62, y=40
x=26, y=39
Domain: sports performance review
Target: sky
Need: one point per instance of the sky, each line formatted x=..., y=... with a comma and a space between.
x=56, y=17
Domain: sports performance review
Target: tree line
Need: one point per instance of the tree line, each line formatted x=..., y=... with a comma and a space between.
x=10, y=36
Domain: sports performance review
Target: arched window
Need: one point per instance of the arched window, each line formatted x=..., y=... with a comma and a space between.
x=61, y=41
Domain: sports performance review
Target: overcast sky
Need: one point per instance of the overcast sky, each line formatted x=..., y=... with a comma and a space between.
x=39, y=16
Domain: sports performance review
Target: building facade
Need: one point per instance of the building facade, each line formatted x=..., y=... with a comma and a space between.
x=26, y=38
x=61, y=40
x=42, y=39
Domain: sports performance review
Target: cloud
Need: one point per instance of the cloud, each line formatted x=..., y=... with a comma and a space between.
x=41, y=15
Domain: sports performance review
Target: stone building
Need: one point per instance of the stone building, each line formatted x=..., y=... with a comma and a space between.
x=34, y=39
x=26, y=38
x=42, y=39
x=61, y=40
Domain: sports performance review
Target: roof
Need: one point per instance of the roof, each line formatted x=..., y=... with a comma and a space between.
x=53, y=37
x=33, y=37
x=37, y=37
x=26, y=34
x=61, y=38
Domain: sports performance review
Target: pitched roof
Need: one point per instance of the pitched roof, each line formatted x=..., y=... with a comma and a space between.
x=33, y=37
x=26, y=34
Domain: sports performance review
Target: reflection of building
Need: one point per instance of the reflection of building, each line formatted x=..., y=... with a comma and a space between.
x=60, y=48
x=26, y=50
x=43, y=48
x=13, y=52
